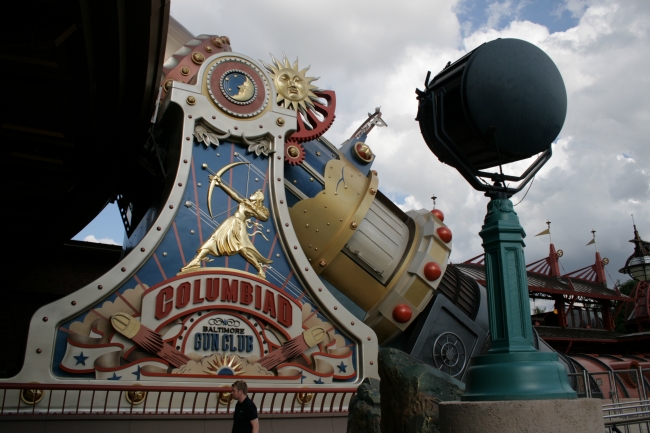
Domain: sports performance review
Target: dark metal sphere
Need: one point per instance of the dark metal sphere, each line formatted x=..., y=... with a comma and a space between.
x=515, y=87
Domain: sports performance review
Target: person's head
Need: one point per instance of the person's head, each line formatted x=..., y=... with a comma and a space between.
x=257, y=196
x=239, y=390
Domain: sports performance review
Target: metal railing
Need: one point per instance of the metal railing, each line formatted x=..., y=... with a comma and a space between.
x=31, y=399
x=627, y=417
x=626, y=414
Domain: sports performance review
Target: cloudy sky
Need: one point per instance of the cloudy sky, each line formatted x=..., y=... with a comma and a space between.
x=376, y=53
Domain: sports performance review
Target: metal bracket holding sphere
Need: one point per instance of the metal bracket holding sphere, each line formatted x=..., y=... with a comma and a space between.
x=503, y=102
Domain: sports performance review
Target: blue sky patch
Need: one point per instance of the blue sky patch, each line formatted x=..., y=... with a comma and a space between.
x=552, y=14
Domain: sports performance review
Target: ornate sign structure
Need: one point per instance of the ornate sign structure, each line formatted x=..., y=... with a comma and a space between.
x=267, y=238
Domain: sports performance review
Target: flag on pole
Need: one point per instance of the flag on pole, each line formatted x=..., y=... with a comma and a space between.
x=593, y=241
x=545, y=232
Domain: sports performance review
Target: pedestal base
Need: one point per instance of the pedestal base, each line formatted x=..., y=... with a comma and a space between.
x=517, y=376
x=583, y=415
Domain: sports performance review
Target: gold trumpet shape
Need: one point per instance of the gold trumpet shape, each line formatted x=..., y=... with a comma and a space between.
x=125, y=324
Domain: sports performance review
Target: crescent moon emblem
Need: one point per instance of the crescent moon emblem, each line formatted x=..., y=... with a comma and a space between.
x=246, y=91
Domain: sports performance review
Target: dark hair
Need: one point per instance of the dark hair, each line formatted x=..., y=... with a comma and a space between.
x=241, y=385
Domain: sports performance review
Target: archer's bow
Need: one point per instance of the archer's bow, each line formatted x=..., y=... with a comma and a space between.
x=217, y=178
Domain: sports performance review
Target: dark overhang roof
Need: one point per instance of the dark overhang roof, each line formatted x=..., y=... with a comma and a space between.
x=557, y=333
x=544, y=284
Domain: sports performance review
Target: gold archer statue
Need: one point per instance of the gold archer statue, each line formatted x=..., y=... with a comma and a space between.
x=232, y=237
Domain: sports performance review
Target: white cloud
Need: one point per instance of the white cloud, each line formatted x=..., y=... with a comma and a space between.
x=92, y=238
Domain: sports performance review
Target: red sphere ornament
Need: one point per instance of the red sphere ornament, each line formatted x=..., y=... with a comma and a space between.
x=432, y=271
x=402, y=313
x=445, y=234
x=438, y=214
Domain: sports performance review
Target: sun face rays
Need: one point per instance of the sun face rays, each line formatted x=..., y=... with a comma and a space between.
x=294, y=87
x=225, y=365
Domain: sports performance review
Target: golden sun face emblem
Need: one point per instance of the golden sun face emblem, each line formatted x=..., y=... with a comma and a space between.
x=295, y=90
x=224, y=365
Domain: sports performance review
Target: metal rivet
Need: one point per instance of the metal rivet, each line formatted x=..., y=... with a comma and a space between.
x=198, y=58
x=279, y=136
x=371, y=363
x=167, y=85
x=277, y=255
x=280, y=121
x=316, y=230
x=304, y=211
x=279, y=157
x=307, y=225
x=123, y=269
x=191, y=100
x=320, y=289
x=158, y=228
x=368, y=338
x=192, y=231
x=295, y=181
x=281, y=201
x=354, y=225
x=199, y=184
x=185, y=71
x=336, y=308
x=165, y=254
x=185, y=161
x=317, y=153
x=261, y=126
x=306, y=269
x=39, y=350
x=295, y=247
x=236, y=128
x=352, y=323
x=180, y=183
x=322, y=263
x=142, y=249
x=279, y=179
x=45, y=319
x=214, y=117
x=171, y=206
x=286, y=224
x=311, y=179
x=373, y=191
x=187, y=138
x=100, y=287
x=189, y=116
x=74, y=302
x=208, y=48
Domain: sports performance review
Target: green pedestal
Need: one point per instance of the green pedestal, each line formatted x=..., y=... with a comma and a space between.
x=513, y=369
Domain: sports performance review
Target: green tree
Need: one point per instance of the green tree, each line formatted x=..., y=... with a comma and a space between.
x=539, y=310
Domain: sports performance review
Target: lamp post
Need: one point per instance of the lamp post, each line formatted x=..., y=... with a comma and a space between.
x=637, y=265
x=503, y=102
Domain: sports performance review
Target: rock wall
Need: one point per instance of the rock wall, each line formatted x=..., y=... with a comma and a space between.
x=411, y=391
x=365, y=409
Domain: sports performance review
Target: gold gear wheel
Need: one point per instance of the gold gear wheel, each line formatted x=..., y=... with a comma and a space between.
x=294, y=153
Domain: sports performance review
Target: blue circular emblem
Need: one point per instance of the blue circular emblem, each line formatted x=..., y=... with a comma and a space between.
x=238, y=87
